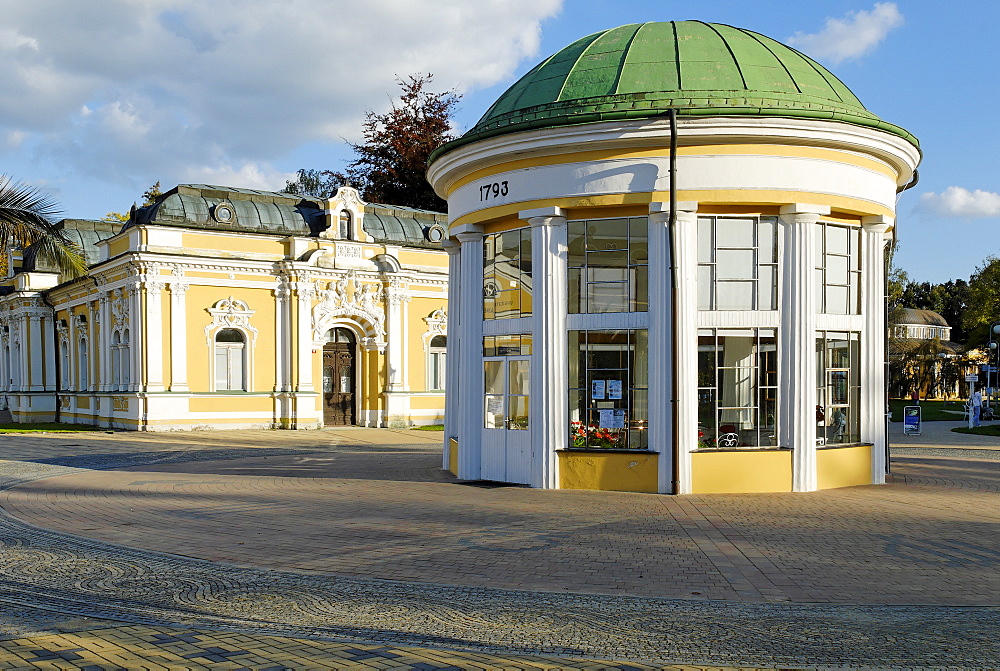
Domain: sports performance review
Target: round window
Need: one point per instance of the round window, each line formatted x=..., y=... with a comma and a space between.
x=224, y=214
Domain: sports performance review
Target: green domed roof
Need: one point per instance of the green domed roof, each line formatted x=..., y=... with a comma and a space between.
x=640, y=70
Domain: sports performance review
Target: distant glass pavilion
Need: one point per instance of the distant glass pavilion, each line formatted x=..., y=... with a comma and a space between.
x=714, y=328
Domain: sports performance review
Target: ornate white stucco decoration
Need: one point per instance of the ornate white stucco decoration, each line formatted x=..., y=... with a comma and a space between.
x=119, y=309
x=231, y=313
x=348, y=298
x=437, y=322
x=346, y=198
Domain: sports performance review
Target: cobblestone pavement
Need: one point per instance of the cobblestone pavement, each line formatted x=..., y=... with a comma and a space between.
x=272, y=534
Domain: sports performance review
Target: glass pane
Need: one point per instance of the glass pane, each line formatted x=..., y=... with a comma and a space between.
x=494, y=412
x=735, y=264
x=837, y=387
x=705, y=287
x=607, y=234
x=493, y=377
x=818, y=277
x=734, y=295
x=854, y=304
x=229, y=335
x=576, y=237
x=609, y=259
x=818, y=248
x=855, y=249
x=221, y=369
x=236, y=368
x=836, y=300
x=640, y=358
x=836, y=240
x=607, y=297
x=640, y=289
x=517, y=379
x=507, y=304
x=576, y=369
x=346, y=380
x=489, y=346
x=836, y=269
x=706, y=418
x=526, y=344
x=509, y=345
x=734, y=232
x=767, y=288
x=525, y=257
x=517, y=419
x=638, y=424
x=767, y=240
x=706, y=361
x=524, y=298
x=705, y=242
x=575, y=277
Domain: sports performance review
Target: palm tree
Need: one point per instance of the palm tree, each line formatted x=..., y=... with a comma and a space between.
x=27, y=220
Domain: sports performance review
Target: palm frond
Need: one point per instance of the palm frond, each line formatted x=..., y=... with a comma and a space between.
x=27, y=219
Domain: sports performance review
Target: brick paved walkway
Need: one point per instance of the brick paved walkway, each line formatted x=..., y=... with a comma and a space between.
x=374, y=504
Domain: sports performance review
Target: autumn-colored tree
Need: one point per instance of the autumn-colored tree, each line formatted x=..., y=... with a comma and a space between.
x=391, y=162
x=149, y=197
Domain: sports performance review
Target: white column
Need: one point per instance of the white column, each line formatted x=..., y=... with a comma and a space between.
x=178, y=337
x=451, y=383
x=104, y=338
x=154, y=337
x=685, y=367
x=305, y=292
x=797, y=349
x=470, y=428
x=549, y=365
x=873, y=391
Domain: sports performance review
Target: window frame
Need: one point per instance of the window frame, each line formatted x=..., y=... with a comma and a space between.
x=582, y=275
x=708, y=268
x=229, y=348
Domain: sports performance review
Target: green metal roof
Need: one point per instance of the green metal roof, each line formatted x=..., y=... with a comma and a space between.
x=269, y=212
x=640, y=70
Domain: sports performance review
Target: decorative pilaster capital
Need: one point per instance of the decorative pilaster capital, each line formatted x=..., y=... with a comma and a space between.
x=685, y=211
x=452, y=246
x=802, y=213
x=178, y=289
x=877, y=224
x=467, y=237
x=544, y=216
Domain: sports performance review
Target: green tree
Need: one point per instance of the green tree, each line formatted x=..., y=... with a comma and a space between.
x=391, y=163
x=983, y=306
x=149, y=197
x=315, y=183
x=27, y=221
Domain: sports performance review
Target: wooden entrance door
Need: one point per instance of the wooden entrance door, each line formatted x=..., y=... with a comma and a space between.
x=339, y=378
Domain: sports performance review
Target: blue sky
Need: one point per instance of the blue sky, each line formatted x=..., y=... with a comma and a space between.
x=106, y=97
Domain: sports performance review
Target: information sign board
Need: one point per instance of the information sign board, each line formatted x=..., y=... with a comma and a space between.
x=911, y=420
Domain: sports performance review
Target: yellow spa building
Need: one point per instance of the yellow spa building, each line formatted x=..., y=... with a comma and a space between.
x=219, y=307
x=668, y=270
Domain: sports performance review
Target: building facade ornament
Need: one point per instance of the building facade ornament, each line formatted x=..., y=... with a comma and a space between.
x=231, y=313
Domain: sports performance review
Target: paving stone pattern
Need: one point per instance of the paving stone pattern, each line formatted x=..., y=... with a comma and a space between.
x=742, y=546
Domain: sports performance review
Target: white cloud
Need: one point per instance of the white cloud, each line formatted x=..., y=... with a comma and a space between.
x=850, y=37
x=246, y=176
x=956, y=201
x=140, y=90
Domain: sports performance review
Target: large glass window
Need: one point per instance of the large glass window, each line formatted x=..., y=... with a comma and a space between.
x=229, y=360
x=737, y=263
x=838, y=393
x=436, y=357
x=838, y=269
x=507, y=274
x=608, y=265
x=737, y=388
x=608, y=389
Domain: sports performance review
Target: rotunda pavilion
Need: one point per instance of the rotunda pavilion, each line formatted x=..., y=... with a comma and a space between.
x=667, y=270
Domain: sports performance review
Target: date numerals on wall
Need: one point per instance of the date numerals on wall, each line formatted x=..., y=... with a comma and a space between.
x=494, y=190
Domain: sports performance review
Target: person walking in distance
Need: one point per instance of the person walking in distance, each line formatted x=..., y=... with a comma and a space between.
x=976, y=407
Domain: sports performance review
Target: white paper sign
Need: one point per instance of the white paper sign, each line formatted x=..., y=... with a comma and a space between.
x=614, y=389
x=494, y=405
x=612, y=419
x=597, y=390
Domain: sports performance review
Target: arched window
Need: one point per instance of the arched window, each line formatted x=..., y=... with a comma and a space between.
x=116, y=360
x=83, y=374
x=345, y=226
x=65, y=373
x=126, y=362
x=436, y=363
x=230, y=346
x=16, y=367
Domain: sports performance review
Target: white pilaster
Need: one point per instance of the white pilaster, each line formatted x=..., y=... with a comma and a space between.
x=452, y=353
x=104, y=338
x=282, y=336
x=797, y=350
x=470, y=405
x=41, y=344
x=154, y=336
x=549, y=365
x=685, y=367
x=306, y=292
x=178, y=337
x=873, y=391
x=395, y=295
x=135, y=348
